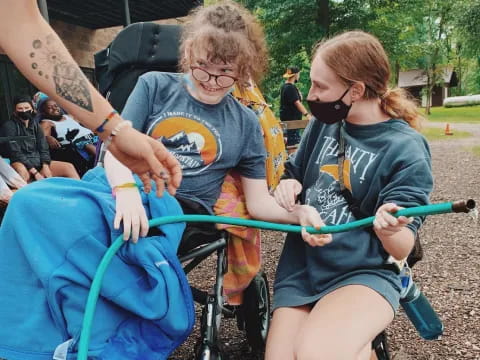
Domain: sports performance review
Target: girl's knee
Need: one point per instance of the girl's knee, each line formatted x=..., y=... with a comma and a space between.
x=326, y=349
x=64, y=169
x=72, y=171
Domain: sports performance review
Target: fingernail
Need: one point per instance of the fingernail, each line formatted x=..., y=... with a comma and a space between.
x=164, y=175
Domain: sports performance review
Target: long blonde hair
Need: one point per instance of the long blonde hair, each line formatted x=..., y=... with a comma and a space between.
x=229, y=33
x=359, y=56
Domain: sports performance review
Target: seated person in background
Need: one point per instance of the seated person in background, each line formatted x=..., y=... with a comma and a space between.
x=9, y=179
x=29, y=156
x=56, y=125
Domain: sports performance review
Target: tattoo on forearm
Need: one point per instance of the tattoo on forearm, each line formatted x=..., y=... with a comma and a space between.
x=70, y=83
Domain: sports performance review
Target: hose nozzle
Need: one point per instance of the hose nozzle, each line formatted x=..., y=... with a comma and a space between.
x=463, y=206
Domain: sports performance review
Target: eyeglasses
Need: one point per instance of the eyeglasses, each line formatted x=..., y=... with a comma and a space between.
x=224, y=81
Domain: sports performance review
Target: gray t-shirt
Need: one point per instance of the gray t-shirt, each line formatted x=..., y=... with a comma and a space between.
x=208, y=140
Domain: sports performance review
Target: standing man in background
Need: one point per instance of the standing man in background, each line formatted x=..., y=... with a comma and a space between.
x=291, y=107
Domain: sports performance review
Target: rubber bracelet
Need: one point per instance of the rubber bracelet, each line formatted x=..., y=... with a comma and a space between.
x=109, y=117
x=123, y=186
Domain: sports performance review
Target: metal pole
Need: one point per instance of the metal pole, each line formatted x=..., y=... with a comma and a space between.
x=126, y=14
x=42, y=5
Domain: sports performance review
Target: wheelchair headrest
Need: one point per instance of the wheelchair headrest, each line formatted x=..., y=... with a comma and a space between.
x=140, y=47
x=144, y=45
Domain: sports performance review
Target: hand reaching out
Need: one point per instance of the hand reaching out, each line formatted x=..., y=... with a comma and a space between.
x=148, y=158
x=309, y=216
x=286, y=193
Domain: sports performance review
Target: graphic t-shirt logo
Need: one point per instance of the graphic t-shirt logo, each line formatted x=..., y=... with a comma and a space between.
x=324, y=193
x=195, y=143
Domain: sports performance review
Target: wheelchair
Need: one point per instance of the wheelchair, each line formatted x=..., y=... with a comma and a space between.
x=137, y=49
x=252, y=316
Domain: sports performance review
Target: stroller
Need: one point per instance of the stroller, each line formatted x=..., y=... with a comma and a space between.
x=117, y=68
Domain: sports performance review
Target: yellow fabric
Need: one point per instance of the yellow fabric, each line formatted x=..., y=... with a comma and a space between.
x=244, y=257
x=272, y=133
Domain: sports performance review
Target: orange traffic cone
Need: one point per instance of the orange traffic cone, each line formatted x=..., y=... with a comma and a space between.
x=447, y=130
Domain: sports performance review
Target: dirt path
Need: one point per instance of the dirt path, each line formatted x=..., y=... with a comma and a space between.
x=449, y=275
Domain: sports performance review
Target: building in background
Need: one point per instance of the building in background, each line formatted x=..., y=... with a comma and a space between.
x=85, y=27
x=416, y=80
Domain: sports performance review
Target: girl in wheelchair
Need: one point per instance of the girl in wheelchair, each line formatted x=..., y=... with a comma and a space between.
x=193, y=114
x=361, y=156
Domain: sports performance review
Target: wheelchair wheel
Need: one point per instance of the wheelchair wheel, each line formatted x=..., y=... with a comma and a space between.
x=256, y=311
x=208, y=346
x=380, y=346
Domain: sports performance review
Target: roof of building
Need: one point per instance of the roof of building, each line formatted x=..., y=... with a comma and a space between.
x=418, y=77
x=96, y=14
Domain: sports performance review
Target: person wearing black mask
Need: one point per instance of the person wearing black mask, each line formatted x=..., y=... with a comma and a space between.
x=360, y=156
x=28, y=148
x=291, y=107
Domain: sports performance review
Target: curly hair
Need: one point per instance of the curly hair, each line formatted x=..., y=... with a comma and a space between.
x=230, y=34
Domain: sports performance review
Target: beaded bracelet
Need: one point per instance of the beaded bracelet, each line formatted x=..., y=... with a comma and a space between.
x=123, y=186
x=115, y=131
x=109, y=117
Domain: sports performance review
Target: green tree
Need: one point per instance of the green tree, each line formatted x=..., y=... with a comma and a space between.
x=467, y=45
x=292, y=27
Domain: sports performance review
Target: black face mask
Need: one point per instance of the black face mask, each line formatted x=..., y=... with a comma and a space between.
x=330, y=112
x=25, y=115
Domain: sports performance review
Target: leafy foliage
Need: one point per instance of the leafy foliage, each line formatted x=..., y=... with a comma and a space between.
x=427, y=34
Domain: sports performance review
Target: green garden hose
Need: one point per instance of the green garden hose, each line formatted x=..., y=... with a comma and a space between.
x=442, y=208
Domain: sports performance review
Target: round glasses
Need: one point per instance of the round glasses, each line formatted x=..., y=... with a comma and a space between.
x=224, y=81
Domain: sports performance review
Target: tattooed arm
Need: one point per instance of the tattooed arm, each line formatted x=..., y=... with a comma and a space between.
x=40, y=55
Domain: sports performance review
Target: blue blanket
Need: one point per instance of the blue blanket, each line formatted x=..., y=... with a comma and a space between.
x=53, y=236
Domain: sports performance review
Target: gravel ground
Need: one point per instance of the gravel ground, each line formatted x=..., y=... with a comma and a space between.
x=449, y=274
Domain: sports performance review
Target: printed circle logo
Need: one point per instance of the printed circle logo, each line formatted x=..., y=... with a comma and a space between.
x=193, y=143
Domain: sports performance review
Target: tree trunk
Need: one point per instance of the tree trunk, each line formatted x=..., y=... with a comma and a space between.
x=459, y=75
x=323, y=15
x=428, y=102
x=397, y=72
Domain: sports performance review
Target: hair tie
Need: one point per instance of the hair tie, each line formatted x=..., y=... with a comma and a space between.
x=385, y=94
